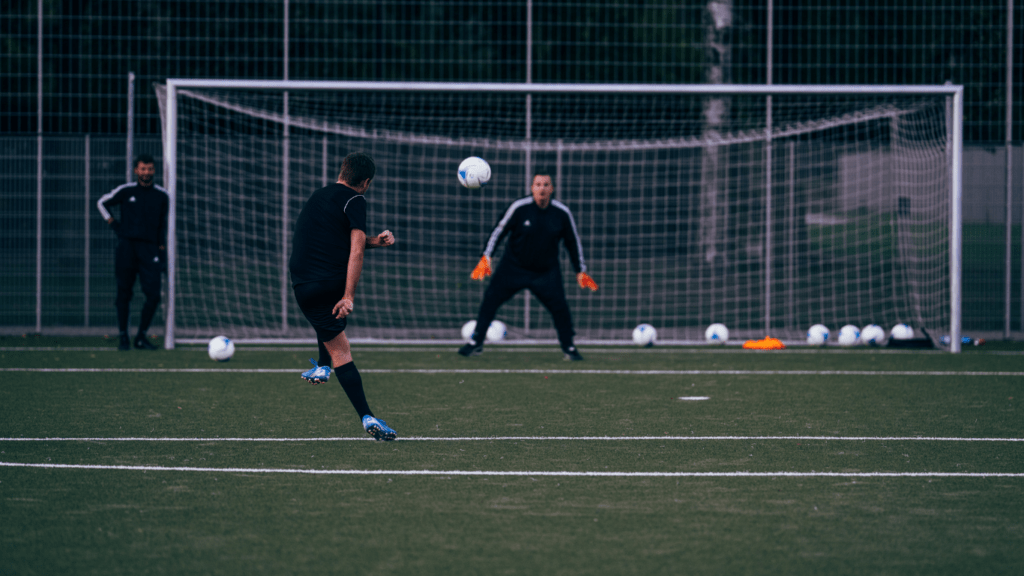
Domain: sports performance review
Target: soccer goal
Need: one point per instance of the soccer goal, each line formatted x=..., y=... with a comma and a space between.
x=765, y=208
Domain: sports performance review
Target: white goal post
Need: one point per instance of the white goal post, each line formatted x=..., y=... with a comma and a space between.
x=767, y=208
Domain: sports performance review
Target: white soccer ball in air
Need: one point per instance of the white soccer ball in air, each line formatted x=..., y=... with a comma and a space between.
x=817, y=335
x=849, y=335
x=474, y=172
x=901, y=332
x=221, y=348
x=497, y=331
x=645, y=335
x=872, y=335
x=716, y=334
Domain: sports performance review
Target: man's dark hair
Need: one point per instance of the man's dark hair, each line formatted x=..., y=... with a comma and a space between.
x=357, y=167
x=544, y=171
x=143, y=159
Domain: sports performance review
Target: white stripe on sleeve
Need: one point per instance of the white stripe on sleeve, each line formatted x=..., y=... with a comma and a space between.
x=106, y=197
x=493, y=240
x=575, y=233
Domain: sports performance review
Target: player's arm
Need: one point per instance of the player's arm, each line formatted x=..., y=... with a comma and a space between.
x=107, y=201
x=501, y=229
x=571, y=238
x=385, y=238
x=345, y=306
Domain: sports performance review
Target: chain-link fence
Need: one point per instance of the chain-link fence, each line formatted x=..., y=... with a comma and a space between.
x=65, y=66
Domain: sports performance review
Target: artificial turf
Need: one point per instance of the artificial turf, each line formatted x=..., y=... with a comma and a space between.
x=308, y=495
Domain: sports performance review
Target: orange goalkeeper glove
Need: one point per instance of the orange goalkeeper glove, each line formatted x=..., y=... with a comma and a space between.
x=482, y=270
x=586, y=281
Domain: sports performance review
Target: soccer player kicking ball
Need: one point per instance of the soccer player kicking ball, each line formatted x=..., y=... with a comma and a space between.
x=326, y=262
x=535, y=225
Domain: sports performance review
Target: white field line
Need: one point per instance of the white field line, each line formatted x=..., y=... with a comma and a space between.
x=524, y=473
x=694, y=398
x=535, y=371
x=524, y=438
x=596, y=348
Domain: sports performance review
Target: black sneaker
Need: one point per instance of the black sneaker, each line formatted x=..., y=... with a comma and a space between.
x=143, y=343
x=471, y=349
x=572, y=354
x=123, y=343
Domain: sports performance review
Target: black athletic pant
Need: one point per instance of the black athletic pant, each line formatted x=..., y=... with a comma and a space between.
x=547, y=286
x=143, y=259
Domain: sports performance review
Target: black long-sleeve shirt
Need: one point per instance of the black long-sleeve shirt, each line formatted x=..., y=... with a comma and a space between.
x=534, y=234
x=143, y=212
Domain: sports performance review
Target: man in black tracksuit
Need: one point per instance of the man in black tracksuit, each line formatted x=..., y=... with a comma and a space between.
x=535, y=225
x=142, y=239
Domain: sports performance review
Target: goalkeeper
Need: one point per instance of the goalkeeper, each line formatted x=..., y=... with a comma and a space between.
x=325, y=265
x=534, y=225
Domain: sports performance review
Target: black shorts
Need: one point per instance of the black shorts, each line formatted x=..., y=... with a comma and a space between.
x=317, y=300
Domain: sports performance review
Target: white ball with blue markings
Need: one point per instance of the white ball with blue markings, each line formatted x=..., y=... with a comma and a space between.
x=873, y=335
x=717, y=333
x=497, y=331
x=474, y=172
x=902, y=332
x=817, y=335
x=220, y=348
x=849, y=335
x=645, y=335
x=467, y=330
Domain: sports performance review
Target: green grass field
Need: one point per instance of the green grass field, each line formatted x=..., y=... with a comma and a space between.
x=515, y=462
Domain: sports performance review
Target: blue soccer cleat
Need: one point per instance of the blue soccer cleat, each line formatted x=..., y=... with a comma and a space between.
x=378, y=428
x=317, y=374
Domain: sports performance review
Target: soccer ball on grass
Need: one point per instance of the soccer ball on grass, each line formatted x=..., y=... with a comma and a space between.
x=495, y=332
x=873, y=335
x=474, y=172
x=849, y=335
x=645, y=335
x=901, y=332
x=716, y=334
x=817, y=335
x=220, y=348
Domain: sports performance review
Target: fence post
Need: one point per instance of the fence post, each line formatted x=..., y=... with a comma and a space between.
x=130, y=146
x=87, y=241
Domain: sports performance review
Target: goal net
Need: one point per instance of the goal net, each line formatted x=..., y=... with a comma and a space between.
x=767, y=209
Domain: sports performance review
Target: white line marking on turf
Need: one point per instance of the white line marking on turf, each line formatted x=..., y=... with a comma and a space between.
x=694, y=397
x=596, y=348
x=486, y=438
x=524, y=473
x=537, y=371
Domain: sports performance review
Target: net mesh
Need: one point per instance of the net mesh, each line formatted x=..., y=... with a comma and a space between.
x=670, y=193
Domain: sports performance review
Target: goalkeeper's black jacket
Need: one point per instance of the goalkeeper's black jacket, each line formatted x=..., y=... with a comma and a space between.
x=143, y=212
x=533, y=235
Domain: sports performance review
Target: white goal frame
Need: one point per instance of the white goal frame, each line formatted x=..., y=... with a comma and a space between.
x=955, y=104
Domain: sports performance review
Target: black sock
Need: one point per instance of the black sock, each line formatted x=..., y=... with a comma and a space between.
x=352, y=383
x=325, y=356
